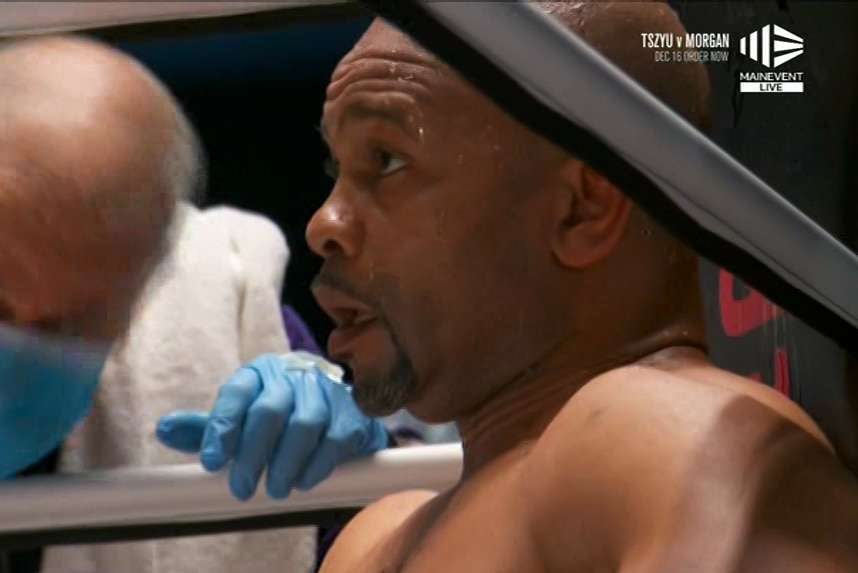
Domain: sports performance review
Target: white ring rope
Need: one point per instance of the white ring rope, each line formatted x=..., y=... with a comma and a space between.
x=186, y=493
x=19, y=18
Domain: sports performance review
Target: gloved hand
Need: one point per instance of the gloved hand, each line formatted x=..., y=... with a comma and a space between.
x=291, y=413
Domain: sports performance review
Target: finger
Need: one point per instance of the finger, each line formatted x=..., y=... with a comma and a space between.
x=264, y=424
x=182, y=431
x=323, y=462
x=301, y=438
x=227, y=418
x=343, y=442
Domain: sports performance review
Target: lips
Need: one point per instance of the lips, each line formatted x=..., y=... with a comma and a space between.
x=342, y=339
x=351, y=317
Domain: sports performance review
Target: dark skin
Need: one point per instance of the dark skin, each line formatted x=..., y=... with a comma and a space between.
x=596, y=434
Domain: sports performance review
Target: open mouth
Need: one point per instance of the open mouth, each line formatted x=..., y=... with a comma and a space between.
x=343, y=338
x=353, y=319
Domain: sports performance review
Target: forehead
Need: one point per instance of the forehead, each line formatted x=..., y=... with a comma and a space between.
x=389, y=78
x=384, y=42
x=386, y=70
x=382, y=34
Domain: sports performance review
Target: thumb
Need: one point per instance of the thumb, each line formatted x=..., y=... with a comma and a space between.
x=183, y=431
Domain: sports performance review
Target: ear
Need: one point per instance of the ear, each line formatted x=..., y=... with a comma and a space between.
x=594, y=217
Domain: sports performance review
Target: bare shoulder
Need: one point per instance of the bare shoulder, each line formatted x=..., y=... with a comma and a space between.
x=645, y=412
x=668, y=467
x=694, y=398
x=372, y=526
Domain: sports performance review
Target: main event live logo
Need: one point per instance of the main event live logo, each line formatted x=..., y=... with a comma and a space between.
x=771, y=46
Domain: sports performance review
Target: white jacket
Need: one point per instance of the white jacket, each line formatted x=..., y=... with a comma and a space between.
x=213, y=305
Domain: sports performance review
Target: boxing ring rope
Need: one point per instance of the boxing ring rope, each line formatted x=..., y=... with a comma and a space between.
x=48, y=17
x=170, y=495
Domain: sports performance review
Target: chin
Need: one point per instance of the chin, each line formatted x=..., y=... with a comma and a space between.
x=369, y=405
x=431, y=407
x=380, y=393
x=429, y=415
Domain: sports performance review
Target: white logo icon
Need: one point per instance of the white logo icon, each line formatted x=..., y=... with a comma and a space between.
x=764, y=46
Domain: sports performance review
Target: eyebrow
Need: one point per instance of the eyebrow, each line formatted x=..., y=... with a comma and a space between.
x=363, y=111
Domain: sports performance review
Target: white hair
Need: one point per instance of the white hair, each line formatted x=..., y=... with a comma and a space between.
x=185, y=163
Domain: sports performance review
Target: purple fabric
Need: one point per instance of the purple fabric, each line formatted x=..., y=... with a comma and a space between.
x=300, y=337
x=325, y=540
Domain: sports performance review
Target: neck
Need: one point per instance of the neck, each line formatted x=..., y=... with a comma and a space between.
x=521, y=410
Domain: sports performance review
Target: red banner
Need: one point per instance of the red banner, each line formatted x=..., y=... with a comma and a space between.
x=743, y=316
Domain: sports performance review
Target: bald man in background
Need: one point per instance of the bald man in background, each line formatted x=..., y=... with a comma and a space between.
x=94, y=154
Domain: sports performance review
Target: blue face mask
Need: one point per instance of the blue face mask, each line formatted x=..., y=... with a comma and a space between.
x=46, y=388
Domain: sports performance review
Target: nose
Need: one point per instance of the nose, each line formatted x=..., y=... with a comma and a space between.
x=334, y=230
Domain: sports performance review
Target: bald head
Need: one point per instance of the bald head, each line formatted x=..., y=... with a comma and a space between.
x=85, y=105
x=614, y=29
x=94, y=154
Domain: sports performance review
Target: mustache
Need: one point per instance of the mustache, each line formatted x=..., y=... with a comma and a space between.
x=333, y=281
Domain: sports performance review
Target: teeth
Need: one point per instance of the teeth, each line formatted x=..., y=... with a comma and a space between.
x=361, y=320
x=354, y=319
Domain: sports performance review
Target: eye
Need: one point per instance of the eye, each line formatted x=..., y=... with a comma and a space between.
x=389, y=163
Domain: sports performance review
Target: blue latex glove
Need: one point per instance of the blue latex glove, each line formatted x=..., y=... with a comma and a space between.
x=291, y=413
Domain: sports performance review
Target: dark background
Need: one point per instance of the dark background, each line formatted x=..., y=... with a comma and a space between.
x=256, y=99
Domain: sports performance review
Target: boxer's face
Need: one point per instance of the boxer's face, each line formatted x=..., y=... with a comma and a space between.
x=434, y=234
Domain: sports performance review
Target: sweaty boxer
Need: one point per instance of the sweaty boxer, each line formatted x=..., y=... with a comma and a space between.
x=478, y=274
x=94, y=154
